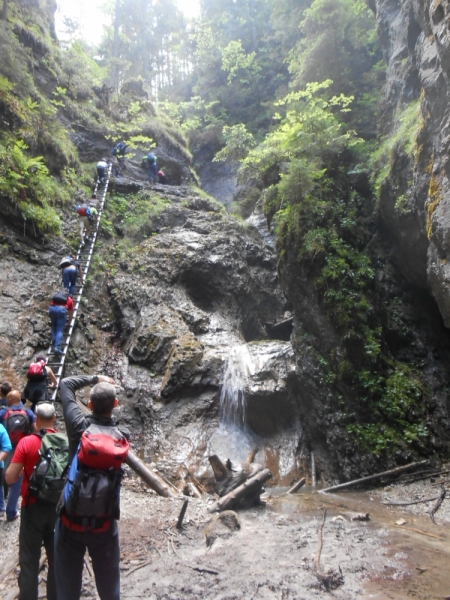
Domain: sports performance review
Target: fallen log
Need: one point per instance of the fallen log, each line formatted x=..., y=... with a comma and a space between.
x=229, y=477
x=390, y=473
x=297, y=486
x=437, y=506
x=221, y=471
x=150, y=478
x=410, y=503
x=252, y=487
x=251, y=457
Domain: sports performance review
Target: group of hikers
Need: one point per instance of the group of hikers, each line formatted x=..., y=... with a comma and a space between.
x=69, y=482
x=119, y=151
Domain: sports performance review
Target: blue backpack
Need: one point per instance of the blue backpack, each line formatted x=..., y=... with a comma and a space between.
x=151, y=158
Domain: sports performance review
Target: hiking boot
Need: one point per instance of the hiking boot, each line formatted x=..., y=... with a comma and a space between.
x=14, y=518
x=58, y=351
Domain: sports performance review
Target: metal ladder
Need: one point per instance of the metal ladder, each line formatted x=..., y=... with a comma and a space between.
x=84, y=255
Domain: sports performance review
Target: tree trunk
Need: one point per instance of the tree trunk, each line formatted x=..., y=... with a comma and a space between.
x=343, y=486
x=150, y=478
x=114, y=76
x=252, y=487
x=4, y=15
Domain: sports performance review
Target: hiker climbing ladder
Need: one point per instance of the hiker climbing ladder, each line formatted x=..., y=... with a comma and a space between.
x=84, y=255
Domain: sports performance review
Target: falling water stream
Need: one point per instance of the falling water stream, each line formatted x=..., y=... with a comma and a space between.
x=232, y=398
x=233, y=439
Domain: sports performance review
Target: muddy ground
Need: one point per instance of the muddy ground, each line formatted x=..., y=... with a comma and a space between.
x=272, y=554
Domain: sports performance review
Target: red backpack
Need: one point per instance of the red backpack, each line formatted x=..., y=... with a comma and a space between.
x=102, y=447
x=91, y=492
x=37, y=370
x=17, y=424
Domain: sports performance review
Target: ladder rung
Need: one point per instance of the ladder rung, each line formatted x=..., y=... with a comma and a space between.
x=84, y=255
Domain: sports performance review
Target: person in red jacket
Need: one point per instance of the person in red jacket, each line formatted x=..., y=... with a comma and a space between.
x=38, y=518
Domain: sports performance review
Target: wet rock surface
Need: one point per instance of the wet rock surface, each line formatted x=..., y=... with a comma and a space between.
x=414, y=35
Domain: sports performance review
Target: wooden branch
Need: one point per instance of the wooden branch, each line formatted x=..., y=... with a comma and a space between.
x=320, y=542
x=432, y=535
x=430, y=472
x=297, y=486
x=150, y=478
x=390, y=473
x=251, y=487
x=144, y=564
x=204, y=570
x=409, y=503
x=251, y=457
x=331, y=579
x=440, y=483
x=313, y=469
x=436, y=507
x=220, y=470
x=194, y=491
x=182, y=513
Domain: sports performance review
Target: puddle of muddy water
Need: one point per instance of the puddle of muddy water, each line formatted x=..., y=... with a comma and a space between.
x=423, y=555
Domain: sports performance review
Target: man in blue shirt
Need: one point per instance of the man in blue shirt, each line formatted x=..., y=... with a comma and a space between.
x=18, y=422
x=5, y=449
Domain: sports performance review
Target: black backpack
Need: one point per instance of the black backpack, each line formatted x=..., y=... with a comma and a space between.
x=61, y=297
x=17, y=424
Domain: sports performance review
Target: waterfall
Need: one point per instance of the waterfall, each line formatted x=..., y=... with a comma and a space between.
x=232, y=397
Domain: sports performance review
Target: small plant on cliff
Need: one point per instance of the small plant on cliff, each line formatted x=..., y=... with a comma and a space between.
x=403, y=141
x=26, y=182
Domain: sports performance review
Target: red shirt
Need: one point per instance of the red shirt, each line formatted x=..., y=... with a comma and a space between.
x=68, y=304
x=27, y=453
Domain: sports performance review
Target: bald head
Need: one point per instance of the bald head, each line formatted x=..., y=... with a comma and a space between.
x=13, y=398
x=102, y=399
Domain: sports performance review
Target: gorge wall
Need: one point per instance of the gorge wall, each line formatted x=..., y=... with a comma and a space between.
x=178, y=287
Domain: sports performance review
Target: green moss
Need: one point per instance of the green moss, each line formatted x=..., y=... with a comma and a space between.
x=403, y=140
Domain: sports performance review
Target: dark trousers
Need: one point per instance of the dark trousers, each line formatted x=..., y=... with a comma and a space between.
x=37, y=525
x=70, y=548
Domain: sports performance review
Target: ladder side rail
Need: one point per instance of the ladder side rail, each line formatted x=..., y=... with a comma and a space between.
x=86, y=259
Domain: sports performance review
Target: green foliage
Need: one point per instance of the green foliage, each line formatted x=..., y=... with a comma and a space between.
x=402, y=141
x=26, y=182
x=136, y=213
x=238, y=64
x=238, y=142
x=339, y=42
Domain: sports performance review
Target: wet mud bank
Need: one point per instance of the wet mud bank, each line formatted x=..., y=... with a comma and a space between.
x=269, y=551
x=272, y=554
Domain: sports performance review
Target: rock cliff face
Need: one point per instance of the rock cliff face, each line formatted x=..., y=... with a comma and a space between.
x=185, y=314
x=415, y=37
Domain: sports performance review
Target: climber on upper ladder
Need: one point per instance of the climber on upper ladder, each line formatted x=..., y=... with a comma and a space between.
x=56, y=360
